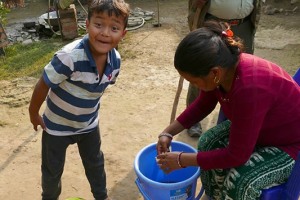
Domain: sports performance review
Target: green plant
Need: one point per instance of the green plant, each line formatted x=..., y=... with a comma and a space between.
x=28, y=60
x=3, y=13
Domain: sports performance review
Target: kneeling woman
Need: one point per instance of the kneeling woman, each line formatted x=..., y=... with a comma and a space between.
x=257, y=147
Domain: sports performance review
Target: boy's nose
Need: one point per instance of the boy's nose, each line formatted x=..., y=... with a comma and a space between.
x=105, y=32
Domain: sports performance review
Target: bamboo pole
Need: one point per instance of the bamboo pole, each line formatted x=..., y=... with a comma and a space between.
x=181, y=79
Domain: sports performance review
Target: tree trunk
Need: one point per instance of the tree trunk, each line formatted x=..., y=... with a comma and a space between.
x=3, y=40
x=14, y=3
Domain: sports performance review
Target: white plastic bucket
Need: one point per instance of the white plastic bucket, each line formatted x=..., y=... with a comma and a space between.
x=154, y=184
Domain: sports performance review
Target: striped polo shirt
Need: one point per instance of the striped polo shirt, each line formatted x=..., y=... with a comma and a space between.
x=73, y=100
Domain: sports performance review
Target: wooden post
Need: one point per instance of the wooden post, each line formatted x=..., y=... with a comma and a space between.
x=3, y=40
x=181, y=79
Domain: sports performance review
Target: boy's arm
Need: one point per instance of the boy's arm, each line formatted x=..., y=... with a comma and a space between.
x=38, y=96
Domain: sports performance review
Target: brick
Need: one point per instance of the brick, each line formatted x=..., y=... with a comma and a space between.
x=67, y=20
x=70, y=35
x=67, y=15
x=69, y=27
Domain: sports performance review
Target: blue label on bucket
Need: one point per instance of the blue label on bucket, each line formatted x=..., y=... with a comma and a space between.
x=184, y=193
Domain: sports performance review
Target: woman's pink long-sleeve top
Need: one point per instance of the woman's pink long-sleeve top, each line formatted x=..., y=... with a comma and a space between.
x=263, y=106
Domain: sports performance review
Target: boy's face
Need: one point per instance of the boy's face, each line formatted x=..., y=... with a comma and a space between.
x=105, y=32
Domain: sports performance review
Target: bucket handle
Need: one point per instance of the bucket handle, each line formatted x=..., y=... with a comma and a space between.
x=200, y=194
x=138, y=184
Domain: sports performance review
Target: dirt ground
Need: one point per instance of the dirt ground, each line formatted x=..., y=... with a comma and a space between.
x=134, y=110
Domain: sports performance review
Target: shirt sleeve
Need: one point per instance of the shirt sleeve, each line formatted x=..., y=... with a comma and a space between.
x=249, y=108
x=58, y=69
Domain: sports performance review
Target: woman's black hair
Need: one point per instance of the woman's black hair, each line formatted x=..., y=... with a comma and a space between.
x=207, y=47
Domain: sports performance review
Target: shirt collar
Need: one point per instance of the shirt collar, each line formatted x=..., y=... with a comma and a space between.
x=85, y=42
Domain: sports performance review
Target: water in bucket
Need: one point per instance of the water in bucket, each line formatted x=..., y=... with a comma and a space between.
x=154, y=184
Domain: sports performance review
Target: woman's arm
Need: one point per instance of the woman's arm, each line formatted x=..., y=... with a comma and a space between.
x=176, y=160
x=174, y=128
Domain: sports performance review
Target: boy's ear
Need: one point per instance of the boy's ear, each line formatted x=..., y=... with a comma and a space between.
x=87, y=23
x=124, y=33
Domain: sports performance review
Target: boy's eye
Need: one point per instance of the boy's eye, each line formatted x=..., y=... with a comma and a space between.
x=98, y=24
x=114, y=28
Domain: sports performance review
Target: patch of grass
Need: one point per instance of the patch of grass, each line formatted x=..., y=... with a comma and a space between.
x=28, y=60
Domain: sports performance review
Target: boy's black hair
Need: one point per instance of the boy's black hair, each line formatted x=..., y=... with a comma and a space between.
x=117, y=7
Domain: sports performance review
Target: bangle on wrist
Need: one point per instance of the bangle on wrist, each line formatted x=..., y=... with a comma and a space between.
x=166, y=134
x=178, y=160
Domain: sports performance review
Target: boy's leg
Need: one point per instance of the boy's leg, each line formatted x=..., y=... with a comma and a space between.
x=53, y=160
x=267, y=166
x=93, y=162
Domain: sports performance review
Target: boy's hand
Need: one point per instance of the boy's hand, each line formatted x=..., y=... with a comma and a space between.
x=38, y=97
x=36, y=121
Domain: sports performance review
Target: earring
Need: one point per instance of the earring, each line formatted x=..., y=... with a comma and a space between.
x=216, y=81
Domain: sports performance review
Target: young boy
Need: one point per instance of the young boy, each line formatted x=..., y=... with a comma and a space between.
x=73, y=83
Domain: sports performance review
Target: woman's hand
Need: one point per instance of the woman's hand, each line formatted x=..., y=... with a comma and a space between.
x=165, y=138
x=168, y=161
x=164, y=142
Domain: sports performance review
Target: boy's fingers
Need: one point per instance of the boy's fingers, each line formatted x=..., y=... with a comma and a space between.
x=43, y=126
